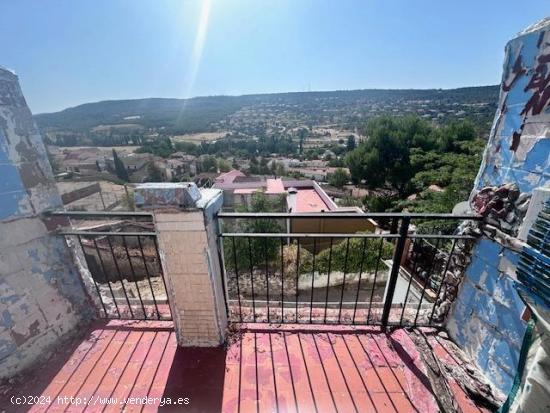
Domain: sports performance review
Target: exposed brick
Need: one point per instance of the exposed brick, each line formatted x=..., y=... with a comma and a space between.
x=183, y=242
x=161, y=217
x=180, y=226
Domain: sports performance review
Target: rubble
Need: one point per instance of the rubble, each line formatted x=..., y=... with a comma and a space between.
x=503, y=209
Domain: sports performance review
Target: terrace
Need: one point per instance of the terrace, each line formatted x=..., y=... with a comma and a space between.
x=277, y=369
x=314, y=322
x=182, y=307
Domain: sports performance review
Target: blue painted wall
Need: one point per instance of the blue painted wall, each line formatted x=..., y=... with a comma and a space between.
x=486, y=317
x=14, y=200
x=42, y=299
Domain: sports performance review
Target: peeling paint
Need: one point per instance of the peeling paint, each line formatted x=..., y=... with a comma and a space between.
x=486, y=317
x=41, y=296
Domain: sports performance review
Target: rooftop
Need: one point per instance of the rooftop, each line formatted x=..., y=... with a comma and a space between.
x=275, y=186
x=308, y=200
x=229, y=177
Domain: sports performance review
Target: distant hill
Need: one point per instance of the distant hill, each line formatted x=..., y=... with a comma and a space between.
x=187, y=114
x=202, y=113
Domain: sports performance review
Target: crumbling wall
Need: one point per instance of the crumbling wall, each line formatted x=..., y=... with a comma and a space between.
x=41, y=297
x=485, y=320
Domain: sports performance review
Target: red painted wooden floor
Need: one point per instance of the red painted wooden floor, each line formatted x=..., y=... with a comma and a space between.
x=336, y=370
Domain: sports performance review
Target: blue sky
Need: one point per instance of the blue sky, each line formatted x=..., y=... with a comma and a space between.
x=71, y=52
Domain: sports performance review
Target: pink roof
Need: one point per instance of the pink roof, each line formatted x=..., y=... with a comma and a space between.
x=275, y=186
x=308, y=200
x=230, y=176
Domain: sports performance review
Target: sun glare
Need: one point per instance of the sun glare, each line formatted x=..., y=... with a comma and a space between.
x=198, y=46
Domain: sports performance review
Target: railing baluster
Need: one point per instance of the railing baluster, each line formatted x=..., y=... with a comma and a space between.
x=237, y=279
x=328, y=280
x=127, y=250
x=120, y=276
x=93, y=279
x=148, y=277
x=221, y=260
x=359, y=281
x=161, y=272
x=252, y=280
x=134, y=276
x=106, y=277
x=442, y=280
x=399, y=232
x=267, y=279
x=428, y=275
x=410, y=279
x=312, y=280
x=282, y=283
x=396, y=265
x=393, y=228
x=343, y=281
x=374, y=280
x=297, y=277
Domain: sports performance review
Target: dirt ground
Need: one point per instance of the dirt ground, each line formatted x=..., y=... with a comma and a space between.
x=199, y=137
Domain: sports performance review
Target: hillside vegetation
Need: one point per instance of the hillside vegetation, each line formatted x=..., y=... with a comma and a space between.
x=204, y=114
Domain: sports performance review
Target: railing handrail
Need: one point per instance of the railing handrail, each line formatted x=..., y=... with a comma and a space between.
x=362, y=259
x=306, y=235
x=99, y=214
x=346, y=215
x=102, y=233
x=339, y=235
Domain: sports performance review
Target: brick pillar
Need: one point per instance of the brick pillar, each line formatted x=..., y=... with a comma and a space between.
x=188, y=248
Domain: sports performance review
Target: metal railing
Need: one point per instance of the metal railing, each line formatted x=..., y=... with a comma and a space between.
x=126, y=279
x=274, y=273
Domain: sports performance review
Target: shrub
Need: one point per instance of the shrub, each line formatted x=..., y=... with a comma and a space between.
x=370, y=247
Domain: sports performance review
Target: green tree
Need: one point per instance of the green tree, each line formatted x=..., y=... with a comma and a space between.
x=209, y=164
x=350, y=144
x=407, y=155
x=187, y=147
x=385, y=158
x=302, y=132
x=223, y=165
x=120, y=169
x=255, y=251
x=161, y=146
x=380, y=203
x=336, y=163
x=338, y=178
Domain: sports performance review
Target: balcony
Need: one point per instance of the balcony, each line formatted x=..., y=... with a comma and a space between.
x=316, y=321
x=179, y=307
x=260, y=369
